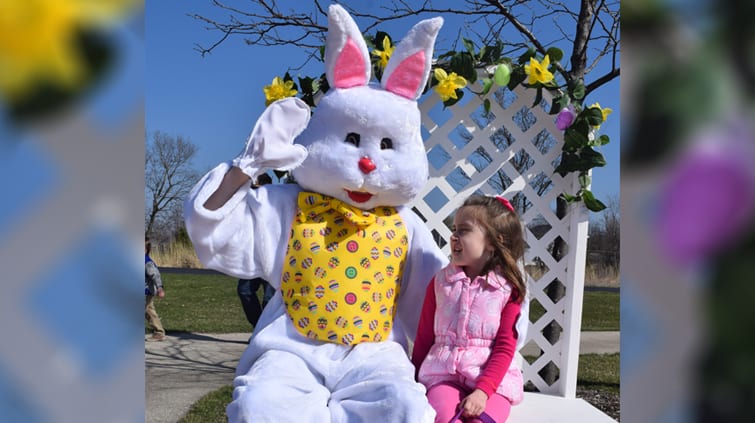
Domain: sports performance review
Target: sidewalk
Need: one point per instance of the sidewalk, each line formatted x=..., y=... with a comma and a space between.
x=186, y=366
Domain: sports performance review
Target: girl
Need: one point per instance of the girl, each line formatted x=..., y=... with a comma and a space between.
x=466, y=337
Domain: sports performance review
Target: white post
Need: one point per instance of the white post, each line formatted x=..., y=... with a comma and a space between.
x=575, y=276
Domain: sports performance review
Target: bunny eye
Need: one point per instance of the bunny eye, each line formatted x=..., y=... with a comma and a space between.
x=352, y=138
x=386, y=144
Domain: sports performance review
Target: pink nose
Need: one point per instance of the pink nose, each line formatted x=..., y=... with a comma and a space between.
x=366, y=165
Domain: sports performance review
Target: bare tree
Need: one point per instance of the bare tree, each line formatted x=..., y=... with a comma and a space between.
x=169, y=178
x=592, y=30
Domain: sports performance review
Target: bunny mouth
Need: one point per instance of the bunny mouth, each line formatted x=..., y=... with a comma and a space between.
x=359, y=196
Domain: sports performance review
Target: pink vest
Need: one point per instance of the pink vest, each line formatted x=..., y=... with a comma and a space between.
x=467, y=318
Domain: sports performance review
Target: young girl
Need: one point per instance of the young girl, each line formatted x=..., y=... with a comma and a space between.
x=466, y=337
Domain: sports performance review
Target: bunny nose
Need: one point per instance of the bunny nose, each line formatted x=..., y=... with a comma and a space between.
x=366, y=165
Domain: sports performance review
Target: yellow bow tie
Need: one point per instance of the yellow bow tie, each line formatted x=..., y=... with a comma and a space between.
x=313, y=205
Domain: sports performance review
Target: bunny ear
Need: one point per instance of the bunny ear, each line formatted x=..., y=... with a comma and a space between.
x=409, y=67
x=347, y=63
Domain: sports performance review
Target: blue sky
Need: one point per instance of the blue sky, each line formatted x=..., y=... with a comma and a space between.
x=215, y=100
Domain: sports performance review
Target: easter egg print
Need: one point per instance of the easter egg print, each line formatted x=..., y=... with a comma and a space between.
x=322, y=323
x=333, y=286
x=319, y=291
x=331, y=306
x=357, y=322
x=304, y=322
x=365, y=262
x=333, y=262
x=320, y=273
x=306, y=263
x=341, y=322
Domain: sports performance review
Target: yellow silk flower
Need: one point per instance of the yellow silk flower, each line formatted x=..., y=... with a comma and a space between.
x=604, y=111
x=538, y=72
x=38, y=39
x=385, y=53
x=448, y=84
x=278, y=89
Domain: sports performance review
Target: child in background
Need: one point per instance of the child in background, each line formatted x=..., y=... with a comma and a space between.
x=466, y=337
x=153, y=285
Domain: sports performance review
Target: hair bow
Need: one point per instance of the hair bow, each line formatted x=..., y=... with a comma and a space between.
x=506, y=203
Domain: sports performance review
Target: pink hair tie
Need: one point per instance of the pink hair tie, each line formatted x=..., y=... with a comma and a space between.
x=506, y=203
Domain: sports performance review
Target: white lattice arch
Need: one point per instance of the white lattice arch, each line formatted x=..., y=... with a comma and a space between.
x=453, y=139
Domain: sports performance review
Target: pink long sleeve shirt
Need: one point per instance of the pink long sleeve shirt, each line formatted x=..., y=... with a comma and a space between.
x=466, y=334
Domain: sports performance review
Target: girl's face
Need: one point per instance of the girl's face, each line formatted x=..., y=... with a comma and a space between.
x=469, y=246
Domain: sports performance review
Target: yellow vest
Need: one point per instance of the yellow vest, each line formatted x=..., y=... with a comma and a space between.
x=342, y=269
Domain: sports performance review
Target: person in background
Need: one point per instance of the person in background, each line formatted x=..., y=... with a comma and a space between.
x=153, y=285
x=466, y=338
x=247, y=288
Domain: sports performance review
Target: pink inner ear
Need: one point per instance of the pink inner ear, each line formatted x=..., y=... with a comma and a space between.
x=407, y=76
x=350, y=67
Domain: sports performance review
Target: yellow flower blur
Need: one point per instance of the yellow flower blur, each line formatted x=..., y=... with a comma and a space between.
x=538, y=72
x=448, y=84
x=278, y=89
x=38, y=40
x=385, y=53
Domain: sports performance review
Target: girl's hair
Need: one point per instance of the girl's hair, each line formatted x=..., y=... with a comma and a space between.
x=504, y=232
x=147, y=245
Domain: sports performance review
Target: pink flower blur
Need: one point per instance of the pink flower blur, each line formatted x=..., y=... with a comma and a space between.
x=709, y=196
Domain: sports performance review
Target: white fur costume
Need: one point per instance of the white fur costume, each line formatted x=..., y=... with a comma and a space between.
x=363, y=147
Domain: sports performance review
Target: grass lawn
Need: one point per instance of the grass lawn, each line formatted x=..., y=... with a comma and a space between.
x=208, y=303
x=201, y=303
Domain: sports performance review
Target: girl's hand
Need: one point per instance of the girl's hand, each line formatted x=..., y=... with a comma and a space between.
x=474, y=404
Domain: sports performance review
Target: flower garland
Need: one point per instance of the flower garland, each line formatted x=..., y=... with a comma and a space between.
x=453, y=71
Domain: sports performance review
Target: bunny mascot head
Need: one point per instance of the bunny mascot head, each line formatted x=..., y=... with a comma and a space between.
x=364, y=143
x=350, y=263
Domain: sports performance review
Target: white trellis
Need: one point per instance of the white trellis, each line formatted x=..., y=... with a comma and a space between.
x=504, y=152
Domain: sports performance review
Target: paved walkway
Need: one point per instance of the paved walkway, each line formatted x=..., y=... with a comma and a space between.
x=186, y=366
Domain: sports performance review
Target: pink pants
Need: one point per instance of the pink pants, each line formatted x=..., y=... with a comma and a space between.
x=445, y=398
